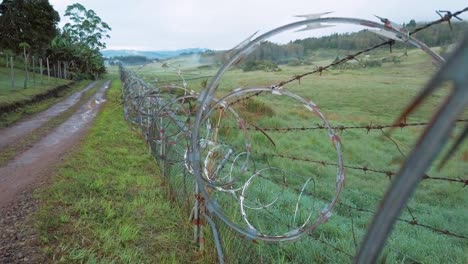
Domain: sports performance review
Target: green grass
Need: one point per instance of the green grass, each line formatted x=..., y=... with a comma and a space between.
x=107, y=202
x=349, y=98
x=28, y=140
x=10, y=95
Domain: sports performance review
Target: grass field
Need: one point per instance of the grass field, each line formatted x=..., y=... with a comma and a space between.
x=108, y=204
x=348, y=98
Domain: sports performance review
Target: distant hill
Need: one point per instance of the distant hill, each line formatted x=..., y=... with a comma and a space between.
x=159, y=54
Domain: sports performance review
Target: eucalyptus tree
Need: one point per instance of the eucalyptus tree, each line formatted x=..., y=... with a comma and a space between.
x=86, y=27
x=85, y=34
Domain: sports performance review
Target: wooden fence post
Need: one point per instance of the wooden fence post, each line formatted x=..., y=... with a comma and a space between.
x=34, y=70
x=48, y=69
x=41, y=70
x=12, y=73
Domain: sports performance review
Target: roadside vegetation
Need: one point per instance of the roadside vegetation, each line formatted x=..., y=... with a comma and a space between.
x=11, y=96
x=71, y=53
x=107, y=202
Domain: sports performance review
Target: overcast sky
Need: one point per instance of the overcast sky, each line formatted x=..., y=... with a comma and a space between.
x=221, y=24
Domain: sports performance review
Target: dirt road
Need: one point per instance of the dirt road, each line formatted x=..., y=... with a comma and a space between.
x=18, y=240
x=11, y=134
x=29, y=165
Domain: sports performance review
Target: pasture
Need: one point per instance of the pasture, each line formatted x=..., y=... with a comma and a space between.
x=285, y=136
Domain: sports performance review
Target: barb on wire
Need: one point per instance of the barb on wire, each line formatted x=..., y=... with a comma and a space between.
x=447, y=17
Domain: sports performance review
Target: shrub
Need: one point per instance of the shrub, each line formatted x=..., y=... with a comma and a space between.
x=255, y=106
x=260, y=65
x=294, y=62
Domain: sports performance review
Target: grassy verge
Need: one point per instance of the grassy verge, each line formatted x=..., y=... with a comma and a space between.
x=107, y=203
x=10, y=95
x=9, y=118
x=24, y=143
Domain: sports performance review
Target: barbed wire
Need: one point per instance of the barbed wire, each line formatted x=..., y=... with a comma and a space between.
x=178, y=80
x=446, y=18
x=341, y=251
x=185, y=131
x=413, y=220
x=429, y=145
x=340, y=128
x=365, y=169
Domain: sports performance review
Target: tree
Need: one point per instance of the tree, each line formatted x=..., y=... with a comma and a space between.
x=78, y=45
x=86, y=27
x=80, y=61
x=30, y=21
x=411, y=24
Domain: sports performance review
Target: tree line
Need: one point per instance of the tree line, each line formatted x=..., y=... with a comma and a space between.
x=296, y=52
x=29, y=35
x=437, y=35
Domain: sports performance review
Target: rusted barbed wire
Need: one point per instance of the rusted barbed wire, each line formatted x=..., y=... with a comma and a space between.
x=341, y=251
x=445, y=18
x=387, y=173
x=340, y=128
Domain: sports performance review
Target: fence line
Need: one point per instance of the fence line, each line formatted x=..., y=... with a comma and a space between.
x=205, y=150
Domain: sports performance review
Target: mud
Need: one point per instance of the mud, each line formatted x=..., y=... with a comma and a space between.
x=9, y=135
x=19, y=243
